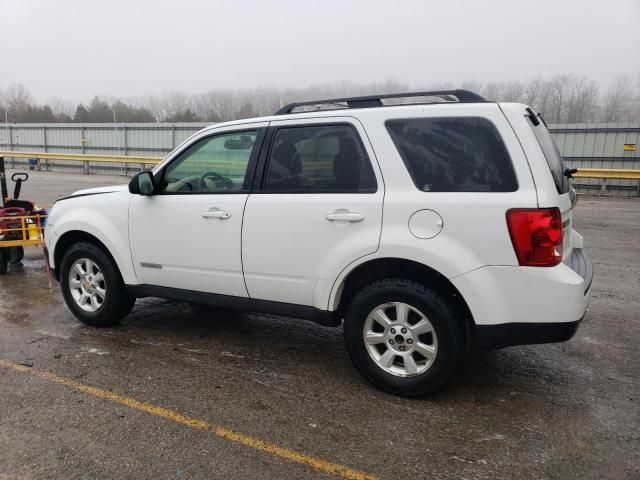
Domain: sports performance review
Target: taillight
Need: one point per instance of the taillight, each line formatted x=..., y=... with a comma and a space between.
x=536, y=235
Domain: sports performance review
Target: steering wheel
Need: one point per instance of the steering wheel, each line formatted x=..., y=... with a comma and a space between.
x=226, y=182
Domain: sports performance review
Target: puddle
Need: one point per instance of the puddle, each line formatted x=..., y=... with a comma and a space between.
x=97, y=351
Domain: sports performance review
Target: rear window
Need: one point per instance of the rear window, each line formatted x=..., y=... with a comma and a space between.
x=461, y=154
x=552, y=154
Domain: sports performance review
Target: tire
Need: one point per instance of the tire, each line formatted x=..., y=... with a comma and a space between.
x=379, y=360
x=101, y=281
x=4, y=263
x=16, y=254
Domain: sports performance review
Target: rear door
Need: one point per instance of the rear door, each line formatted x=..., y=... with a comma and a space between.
x=317, y=209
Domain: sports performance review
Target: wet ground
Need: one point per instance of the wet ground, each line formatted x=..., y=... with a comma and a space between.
x=560, y=411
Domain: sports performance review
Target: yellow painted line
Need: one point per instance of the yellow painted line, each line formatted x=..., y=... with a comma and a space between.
x=222, y=432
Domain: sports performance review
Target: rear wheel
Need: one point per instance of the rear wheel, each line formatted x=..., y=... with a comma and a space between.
x=92, y=286
x=403, y=337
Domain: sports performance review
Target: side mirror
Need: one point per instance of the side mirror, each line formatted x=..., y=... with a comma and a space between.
x=142, y=184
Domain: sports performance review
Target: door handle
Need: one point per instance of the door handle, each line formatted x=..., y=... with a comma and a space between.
x=345, y=216
x=216, y=213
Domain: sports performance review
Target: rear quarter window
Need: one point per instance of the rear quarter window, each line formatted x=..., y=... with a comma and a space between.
x=454, y=154
x=552, y=155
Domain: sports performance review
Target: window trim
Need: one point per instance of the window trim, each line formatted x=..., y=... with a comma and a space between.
x=251, y=165
x=452, y=117
x=265, y=158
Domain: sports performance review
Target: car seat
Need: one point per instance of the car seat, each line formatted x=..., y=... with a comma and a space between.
x=347, y=165
x=285, y=168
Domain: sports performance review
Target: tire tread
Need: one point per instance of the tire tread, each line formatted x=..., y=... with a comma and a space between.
x=118, y=303
x=448, y=329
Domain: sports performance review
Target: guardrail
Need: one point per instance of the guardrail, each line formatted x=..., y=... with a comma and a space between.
x=602, y=173
x=606, y=174
x=84, y=157
x=619, y=173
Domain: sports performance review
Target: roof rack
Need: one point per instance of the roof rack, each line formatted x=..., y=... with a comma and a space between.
x=371, y=101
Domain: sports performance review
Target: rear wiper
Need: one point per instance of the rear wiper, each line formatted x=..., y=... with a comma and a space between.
x=533, y=117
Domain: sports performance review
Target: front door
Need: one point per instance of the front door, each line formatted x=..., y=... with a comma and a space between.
x=188, y=234
x=319, y=208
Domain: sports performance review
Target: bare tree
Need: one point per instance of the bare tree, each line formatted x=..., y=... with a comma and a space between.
x=582, y=95
x=3, y=107
x=563, y=98
x=514, y=92
x=616, y=101
x=62, y=108
x=492, y=91
x=557, y=98
x=17, y=100
x=472, y=86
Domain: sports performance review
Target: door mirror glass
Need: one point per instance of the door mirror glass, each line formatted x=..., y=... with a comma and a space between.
x=142, y=184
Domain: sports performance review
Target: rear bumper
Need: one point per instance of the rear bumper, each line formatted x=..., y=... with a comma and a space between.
x=580, y=263
x=524, y=305
x=509, y=334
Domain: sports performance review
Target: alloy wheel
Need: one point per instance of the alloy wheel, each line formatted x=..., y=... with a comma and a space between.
x=400, y=339
x=87, y=285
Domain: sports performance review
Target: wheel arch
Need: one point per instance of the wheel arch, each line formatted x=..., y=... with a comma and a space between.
x=391, y=267
x=71, y=237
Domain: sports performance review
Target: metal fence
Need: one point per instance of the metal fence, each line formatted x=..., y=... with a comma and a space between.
x=131, y=139
x=601, y=145
x=595, y=145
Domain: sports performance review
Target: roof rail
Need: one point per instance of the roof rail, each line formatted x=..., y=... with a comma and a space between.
x=449, y=96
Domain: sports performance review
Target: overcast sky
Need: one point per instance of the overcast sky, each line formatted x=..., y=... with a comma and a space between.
x=77, y=48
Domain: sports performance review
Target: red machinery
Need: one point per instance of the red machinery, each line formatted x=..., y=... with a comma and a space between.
x=21, y=223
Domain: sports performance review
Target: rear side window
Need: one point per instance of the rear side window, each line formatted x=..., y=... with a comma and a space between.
x=454, y=154
x=552, y=154
x=318, y=159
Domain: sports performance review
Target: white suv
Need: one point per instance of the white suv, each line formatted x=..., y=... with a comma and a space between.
x=425, y=223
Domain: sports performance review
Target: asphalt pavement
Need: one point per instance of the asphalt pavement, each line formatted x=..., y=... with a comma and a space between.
x=182, y=391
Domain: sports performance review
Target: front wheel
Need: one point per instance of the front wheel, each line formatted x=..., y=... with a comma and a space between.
x=92, y=286
x=403, y=337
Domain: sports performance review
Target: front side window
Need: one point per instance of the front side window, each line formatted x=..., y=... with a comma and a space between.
x=318, y=159
x=217, y=164
x=454, y=154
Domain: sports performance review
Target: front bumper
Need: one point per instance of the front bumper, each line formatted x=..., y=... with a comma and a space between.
x=46, y=259
x=49, y=241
